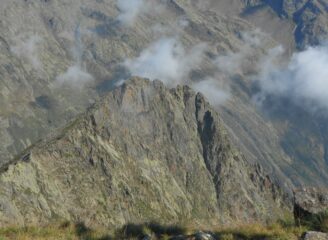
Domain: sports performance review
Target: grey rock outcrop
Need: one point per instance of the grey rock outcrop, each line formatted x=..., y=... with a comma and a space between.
x=144, y=153
x=315, y=236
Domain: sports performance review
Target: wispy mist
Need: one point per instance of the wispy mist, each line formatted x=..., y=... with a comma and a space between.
x=213, y=91
x=232, y=63
x=76, y=75
x=304, y=78
x=130, y=10
x=28, y=50
x=167, y=60
x=171, y=62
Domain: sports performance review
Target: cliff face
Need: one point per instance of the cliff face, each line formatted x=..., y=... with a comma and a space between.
x=144, y=153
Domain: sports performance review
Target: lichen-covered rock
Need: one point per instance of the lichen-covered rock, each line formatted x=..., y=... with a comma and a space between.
x=144, y=153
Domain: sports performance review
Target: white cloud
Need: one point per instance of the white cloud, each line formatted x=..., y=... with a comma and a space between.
x=75, y=77
x=232, y=63
x=212, y=90
x=167, y=60
x=304, y=78
x=269, y=69
x=131, y=9
x=28, y=49
x=253, y=38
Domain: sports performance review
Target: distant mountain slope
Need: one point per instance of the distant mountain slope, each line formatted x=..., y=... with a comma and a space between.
x=309, y=16
x=294, y=23
x=144, y=153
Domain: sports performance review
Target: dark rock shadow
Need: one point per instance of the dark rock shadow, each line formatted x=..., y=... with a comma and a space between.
x=141, y=231
x=85, y=233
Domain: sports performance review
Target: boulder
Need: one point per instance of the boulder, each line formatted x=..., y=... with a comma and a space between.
x=315, y=236
x=147, y=237
x=203, y=236
x=197, y=236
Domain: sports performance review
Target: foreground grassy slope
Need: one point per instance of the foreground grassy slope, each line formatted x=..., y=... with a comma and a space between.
x=282, y=230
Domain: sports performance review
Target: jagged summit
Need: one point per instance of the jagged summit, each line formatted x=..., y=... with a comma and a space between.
x=145, y=152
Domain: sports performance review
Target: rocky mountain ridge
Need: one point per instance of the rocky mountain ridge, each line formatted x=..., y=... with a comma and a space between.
x=144, y=153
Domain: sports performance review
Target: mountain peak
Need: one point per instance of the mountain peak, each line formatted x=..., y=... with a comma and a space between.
x=144, y=152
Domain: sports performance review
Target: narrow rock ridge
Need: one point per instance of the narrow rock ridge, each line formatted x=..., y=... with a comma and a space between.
x=144, y=153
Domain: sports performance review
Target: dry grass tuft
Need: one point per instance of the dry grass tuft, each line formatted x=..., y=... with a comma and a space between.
x=282, y=230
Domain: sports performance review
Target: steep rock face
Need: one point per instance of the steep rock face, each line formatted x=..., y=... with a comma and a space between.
x=144, y=153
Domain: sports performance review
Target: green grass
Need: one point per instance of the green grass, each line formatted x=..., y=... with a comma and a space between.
x=63, y=231
x=258, y=231
x=318, y=222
